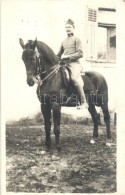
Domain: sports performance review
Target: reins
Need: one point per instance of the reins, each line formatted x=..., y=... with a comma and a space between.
x=41, y=81
x=39, y=71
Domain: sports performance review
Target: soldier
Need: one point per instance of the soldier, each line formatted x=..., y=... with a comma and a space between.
x=71, y=49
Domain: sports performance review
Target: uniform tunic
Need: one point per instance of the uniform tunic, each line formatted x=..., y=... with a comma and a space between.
x=72, y=47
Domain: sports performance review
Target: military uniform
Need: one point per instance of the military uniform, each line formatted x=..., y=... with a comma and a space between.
x=72, y=48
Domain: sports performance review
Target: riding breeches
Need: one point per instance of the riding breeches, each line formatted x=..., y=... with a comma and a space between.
x=75, y=72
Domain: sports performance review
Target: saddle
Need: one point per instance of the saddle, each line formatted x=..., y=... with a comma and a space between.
x=65, y=71
x=70, y=90
x=88, y=86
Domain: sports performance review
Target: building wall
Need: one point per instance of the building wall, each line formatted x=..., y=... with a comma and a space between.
x=107, y=66
x=108, y=70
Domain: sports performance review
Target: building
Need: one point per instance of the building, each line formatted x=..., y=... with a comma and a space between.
x=100, y=44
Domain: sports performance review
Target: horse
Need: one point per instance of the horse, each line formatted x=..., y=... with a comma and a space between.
x=56, y=90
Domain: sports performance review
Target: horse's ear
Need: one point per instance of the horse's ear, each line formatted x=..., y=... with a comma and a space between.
x=21, y=43
x=35, y=42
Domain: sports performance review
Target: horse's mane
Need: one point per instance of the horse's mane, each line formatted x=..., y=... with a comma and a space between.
x=47, y=53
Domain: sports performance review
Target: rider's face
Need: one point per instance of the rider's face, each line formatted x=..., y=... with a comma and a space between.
x=69, y=29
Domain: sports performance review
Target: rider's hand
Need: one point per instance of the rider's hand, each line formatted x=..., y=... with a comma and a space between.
x=65, y=56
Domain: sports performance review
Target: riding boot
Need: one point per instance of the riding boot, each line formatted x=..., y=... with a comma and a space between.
x=81, y=96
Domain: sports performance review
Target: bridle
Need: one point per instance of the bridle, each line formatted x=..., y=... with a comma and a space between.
x=40, y=71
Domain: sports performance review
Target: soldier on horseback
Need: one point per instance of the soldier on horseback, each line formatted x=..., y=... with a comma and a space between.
x=71, y=50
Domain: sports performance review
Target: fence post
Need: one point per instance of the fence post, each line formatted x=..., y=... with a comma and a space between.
x=115, y=118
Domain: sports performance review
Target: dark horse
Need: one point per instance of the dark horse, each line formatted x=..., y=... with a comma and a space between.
x=43, y=67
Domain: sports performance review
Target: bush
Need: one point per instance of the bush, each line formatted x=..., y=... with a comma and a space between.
x=26, y=121
x=39, y=118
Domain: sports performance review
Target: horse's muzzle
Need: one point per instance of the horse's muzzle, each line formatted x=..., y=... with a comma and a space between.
x=30, y=83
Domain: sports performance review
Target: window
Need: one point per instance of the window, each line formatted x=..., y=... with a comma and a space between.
x=91, y=33
x=102, y=43
x=106, y=49
x=92, y=15
x=111, y=44
x=101, y=36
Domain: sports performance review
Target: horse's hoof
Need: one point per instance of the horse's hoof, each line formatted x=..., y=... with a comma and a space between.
x=92, y=141
x=109, y=144
x=58, y=148
x=43, y=152
x=48, y=144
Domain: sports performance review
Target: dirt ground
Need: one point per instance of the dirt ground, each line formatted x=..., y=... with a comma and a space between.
x=80, y=167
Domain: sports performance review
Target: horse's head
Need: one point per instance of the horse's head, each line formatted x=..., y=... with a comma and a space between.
x=30, y=59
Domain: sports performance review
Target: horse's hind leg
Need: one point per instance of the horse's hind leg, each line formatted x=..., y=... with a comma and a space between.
x=106, y=119
x=56, y=118
x=94, y=116
x=46, y=110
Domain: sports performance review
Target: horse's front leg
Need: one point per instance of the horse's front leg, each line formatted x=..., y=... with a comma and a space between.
x=46, y=111
x=56, y=118
x=94, y=116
